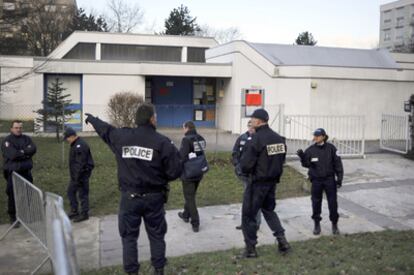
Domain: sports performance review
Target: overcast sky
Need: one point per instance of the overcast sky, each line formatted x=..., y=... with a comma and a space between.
x=342, y=23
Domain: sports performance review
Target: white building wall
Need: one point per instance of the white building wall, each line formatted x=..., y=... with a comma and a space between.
x=365, y=98
x=20, y=97
x=98, y=89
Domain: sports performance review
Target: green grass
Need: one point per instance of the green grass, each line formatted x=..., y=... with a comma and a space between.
x=388, y=252
x=219, y=186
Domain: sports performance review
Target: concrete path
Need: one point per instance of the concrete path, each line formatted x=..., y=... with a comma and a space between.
x=378, y=194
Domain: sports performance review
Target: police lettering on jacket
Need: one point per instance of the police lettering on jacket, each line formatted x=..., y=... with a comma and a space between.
x=146, y=159
x=17, y=152
x=80, y=161
x=323, y=162
x=264, y=156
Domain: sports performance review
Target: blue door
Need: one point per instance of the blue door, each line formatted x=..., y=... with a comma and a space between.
x=172, y=97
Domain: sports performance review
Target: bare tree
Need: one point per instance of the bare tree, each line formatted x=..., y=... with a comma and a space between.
x=221, y=35
x=122, y=108
x=45, y=26
x=123, y=17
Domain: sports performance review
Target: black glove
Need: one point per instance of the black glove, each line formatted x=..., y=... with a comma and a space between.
x=88, y=117
x=300, y=153
x=338, y=183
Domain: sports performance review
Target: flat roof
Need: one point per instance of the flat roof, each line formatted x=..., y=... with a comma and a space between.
x=298, y=55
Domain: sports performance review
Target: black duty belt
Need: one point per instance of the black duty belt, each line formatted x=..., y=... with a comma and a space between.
x=141, y=194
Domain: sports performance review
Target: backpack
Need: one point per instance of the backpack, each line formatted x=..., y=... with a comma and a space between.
x=195, y=168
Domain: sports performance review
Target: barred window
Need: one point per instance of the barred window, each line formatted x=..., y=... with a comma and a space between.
x=140, y=53
x=82, y=51
x=196, y=55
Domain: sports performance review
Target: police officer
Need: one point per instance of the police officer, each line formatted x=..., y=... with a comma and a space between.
x=80, y=167
x=147, y=161
x=18, y=150
x=324, y=164
x=263, y=161
x=195, y=144
x=238, y=150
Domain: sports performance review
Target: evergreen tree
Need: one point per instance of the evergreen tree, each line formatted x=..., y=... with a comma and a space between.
x=180, y=22
x=55, y=110
x=306, y=38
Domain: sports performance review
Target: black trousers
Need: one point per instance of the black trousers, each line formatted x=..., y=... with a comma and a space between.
x=318, y=187
x=259, y=197
x=131, y=212
x=190, y=206
x=11, y=206
x=80, y=189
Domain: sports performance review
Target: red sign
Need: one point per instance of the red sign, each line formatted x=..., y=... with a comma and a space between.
x=253, y=99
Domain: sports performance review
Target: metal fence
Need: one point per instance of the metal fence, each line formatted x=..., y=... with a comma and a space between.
x=59, y=237
x=220, y=124
x=345, y=132
x=30, y=212
x=47, y=222
x=395, y=133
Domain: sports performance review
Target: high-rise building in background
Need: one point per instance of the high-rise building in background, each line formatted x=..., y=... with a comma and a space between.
x=21, y=18
x=397, y=26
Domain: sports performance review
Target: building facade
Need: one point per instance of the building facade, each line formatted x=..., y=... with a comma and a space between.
x=397, y=25
x=194, y=78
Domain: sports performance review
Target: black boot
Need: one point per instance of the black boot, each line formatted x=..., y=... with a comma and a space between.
x=283, y=244
x=196, y=228
x=159, y=271
x=73, y=214
x=184, y=218
x=317, y=228
x=81, y=218
x=335, y=229
x=249, y=252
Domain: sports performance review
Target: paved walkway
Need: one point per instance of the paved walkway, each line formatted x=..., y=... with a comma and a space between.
x=382, y=200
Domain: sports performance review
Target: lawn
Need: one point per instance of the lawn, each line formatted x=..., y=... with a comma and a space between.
x=388, y=252
x=219, y=186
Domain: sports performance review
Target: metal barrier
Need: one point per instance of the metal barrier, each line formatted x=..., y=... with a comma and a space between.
x=48, y=223
x=395, y=133
x=59, y=237
x=30, y=212
x=347, y=133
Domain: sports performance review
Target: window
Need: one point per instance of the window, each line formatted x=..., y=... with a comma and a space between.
x=387, y=35
x=82, y=51
x=399, y=34
x=9, y=6
x=196, y=55
x=386, y=15
x=400, y=21
x=140, y=53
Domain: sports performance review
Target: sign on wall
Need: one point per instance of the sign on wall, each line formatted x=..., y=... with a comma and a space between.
x=252, y=99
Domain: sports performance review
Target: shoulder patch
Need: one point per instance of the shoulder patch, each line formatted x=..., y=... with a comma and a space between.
x=275, y=149
x=7, y=144
x=78, y=146
x=137, y=152
x=249, y=138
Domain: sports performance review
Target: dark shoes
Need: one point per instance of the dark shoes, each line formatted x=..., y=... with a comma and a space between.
x=159, y=271
x=184, y=218
x=317, y=228
x=283, y=244
x=239, y=227
x=249, y=252
x=196, y=228
x=81, y=218
x=335, y=229
x=73, y=214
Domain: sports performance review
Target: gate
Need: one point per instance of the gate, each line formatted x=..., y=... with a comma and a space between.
x=347, y=133
x=395, y=133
